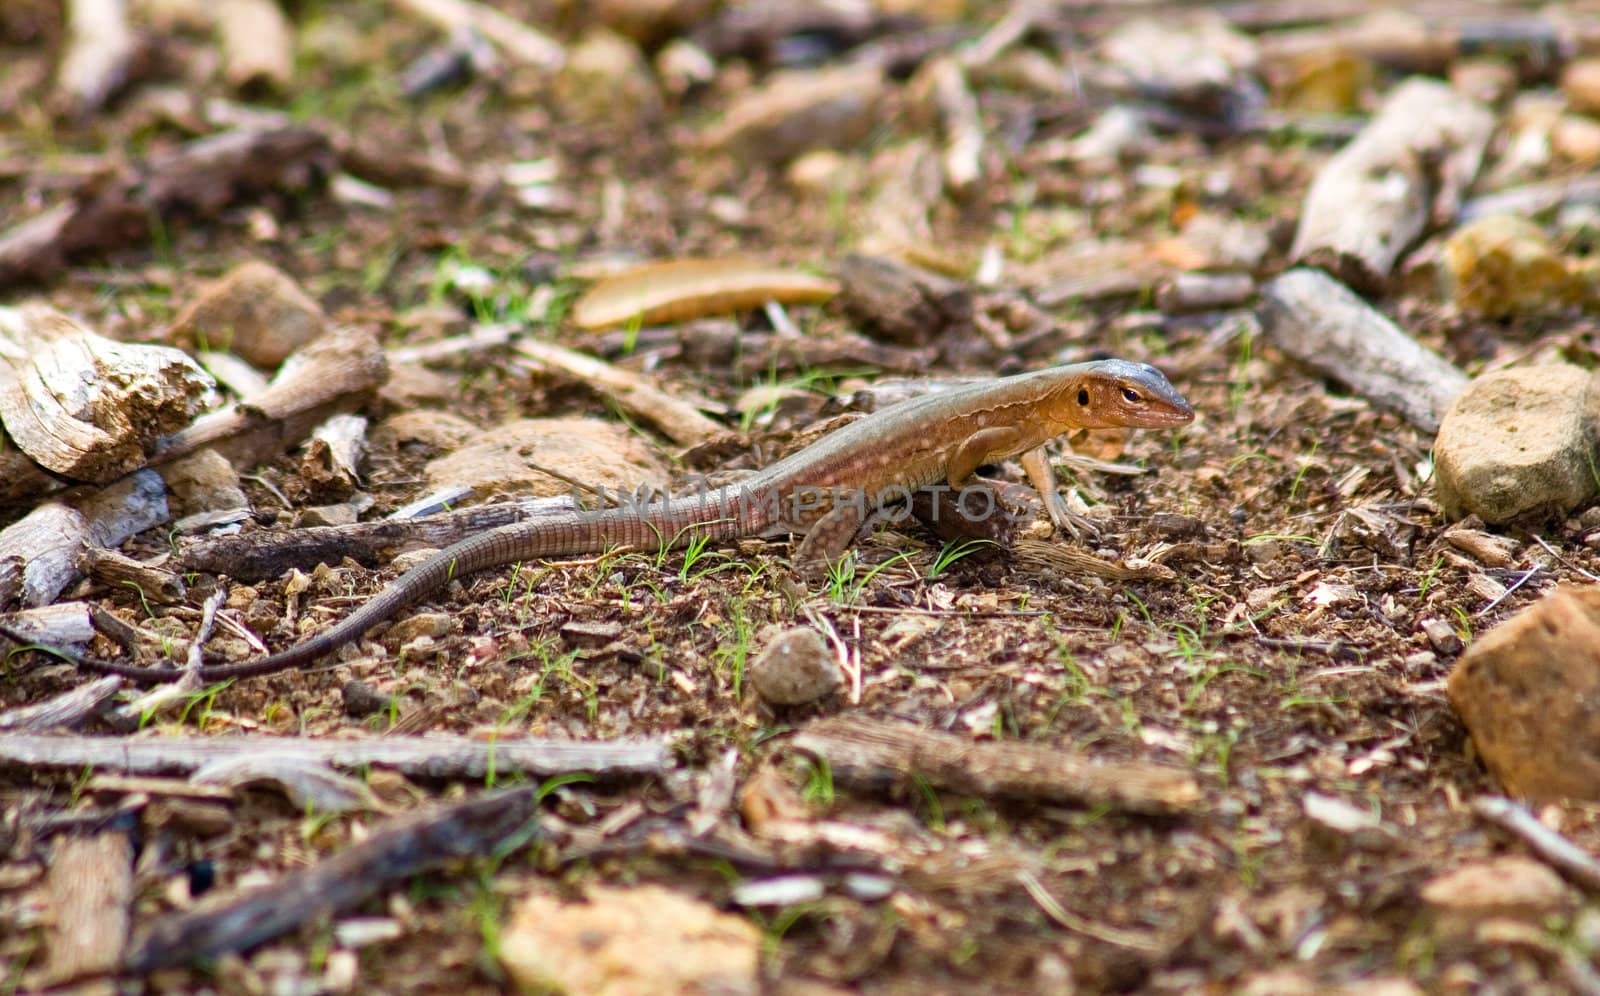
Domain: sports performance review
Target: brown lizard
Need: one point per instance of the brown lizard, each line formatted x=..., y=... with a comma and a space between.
x=827, y=490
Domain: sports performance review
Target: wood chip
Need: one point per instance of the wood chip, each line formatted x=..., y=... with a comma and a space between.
x=685, y=289
x=873, y=753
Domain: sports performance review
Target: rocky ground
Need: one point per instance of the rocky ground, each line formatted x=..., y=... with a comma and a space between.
x=1257, y=736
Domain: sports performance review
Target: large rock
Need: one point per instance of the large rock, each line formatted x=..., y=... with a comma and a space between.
x=1529, y=693
x=256, y=311
x=1519, y=442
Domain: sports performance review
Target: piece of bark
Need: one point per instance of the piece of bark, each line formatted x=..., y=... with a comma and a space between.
x=1405, y=174
x=1185, y=293
x=49, y=541
x=257, y=44
x=1572, y=862
x=99, y=47
x=68, y=624
x=963, y=127
x=116, y=570
x=519, y=42
x=117, y=208
x=875, y=754
x=333, y=374
x=64, y=711
x=904, y=304
x=90, y=888
x=87, y=407
x=479, y=827
x=958, y=516
x=334, y=452
x=681, y=421
x=268, y=553
x=1326, y=326
x=1059, y=558
x=427, y=757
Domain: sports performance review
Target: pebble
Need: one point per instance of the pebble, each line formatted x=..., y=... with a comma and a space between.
x=1518, y=442
x=1523, y=689
x=1509, y=885
x=1504, y=265
x=256, y=310
x=795, y=668
x=1581, y=84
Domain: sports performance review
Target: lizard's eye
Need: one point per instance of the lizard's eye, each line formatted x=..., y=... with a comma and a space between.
x=1083, y=397
x=1130, y=395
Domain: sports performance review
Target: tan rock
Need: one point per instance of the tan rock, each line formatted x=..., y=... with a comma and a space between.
x=1529, y=693
x=801, y=110
x=507, y=459
x=256, y=310
x=1518, y=442
x=1504, y=265
x=630, y=942
x=795, y=668
x=1581, y=83
x=1576, y=139
x=1506, y=886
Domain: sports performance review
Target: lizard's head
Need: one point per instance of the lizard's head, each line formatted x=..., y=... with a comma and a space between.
x=1114, y=394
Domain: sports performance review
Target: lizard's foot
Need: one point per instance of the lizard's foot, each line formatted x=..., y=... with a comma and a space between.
x=1080, y=527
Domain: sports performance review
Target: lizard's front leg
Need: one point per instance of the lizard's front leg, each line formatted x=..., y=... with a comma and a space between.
x=1036, y=463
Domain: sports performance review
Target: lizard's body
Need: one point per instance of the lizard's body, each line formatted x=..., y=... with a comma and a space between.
x=825, y=489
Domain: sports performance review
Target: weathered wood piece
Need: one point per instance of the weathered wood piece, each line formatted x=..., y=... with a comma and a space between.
x=268, y=553
x=479, y=827
x=90, y=888
x=1323, y=324
x=257, y=44
x=680, y=420
x=199, y=179
x=427, y=757
x=333, y=374
x=100, y=45
x=1572, y=862
x=1406, y=173
x=49, y=541
x=87, y=407
x=875, y=754
x=64, y=711
x=519, y=42
x=905, y=305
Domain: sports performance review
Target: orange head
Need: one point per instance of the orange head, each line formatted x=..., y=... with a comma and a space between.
x=1114, y=394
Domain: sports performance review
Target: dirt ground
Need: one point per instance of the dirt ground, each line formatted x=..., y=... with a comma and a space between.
x=1286, y=657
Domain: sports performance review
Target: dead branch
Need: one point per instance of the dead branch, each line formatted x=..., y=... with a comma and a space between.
x=1321, y=323
x=875, y=754
x=1408, y=171
x=331, y=375
x=64, y=711
x=425, y=757
x=91, y=894
x=268, y=553
x=49, y=541
x=257, y=44
x=479, y=827
x=117, y=208
x=1573, y=863
x=517, y=40
x=680, y=420
x=100, y=44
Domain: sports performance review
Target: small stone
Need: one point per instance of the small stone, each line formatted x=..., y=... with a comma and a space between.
x=256, y=311
x=1581, y=84
x=1442, y=637
x=504, y=460
x=1345, y=822
x=203, y=482
x=1504, y=265
x=795, y=668
x=639, y=939
x=1177, y=526
x=1576, y=139
x=606, y=78
x=1487, y=80
x=1510, y=886
x=801, y=110
x=1518, y=442
x=591, y=634
x=430, y=624
x=1525, y=690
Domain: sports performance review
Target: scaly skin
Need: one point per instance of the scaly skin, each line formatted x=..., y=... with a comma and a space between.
x=940, y=437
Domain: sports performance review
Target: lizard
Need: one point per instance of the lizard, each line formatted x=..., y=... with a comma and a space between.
x=827, y=491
